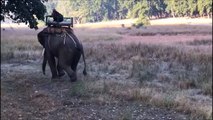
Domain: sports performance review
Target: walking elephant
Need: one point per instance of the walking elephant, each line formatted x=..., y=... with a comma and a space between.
x=63, y=47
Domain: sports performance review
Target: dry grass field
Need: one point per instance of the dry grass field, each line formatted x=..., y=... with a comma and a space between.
x=160, y=72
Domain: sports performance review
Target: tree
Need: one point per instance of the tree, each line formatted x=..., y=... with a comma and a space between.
x=208, y=6
x=64, y=7
x=79, y=9
x=111, y=9
x=204, y=7
x=140, y=11
x=156, y=8
x=122, y=8
x=50, y=5
x=201, y=7
x=27, y=11
x=172, y=7
x=182, y=8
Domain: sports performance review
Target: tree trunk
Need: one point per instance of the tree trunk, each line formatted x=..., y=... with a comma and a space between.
x=173, y=14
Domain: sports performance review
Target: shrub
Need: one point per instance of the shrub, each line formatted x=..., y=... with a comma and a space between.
x=141, y=22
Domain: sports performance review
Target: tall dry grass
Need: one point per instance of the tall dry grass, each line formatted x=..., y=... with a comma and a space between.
x=169, y=30
x=19, y=44
x=160, y=75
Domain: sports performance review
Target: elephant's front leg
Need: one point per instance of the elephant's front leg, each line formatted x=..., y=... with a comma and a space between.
x=52, y=64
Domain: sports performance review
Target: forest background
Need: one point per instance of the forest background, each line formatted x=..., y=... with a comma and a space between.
x=144, y=10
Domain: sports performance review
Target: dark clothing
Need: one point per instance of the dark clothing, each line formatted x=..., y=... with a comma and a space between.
x=57, y=17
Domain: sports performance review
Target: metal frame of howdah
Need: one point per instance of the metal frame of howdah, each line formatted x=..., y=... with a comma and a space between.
x=67, y=22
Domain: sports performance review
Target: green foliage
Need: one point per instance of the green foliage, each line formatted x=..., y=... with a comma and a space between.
x=179, y=8
x=204, y=6
x=140, y=11
x=141, y=22
x=41, y=23
x=192, y=6
x=27, y=11
x=182, y=8
x=156, y=8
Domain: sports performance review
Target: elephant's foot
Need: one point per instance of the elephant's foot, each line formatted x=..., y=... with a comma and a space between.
x=55, y=78
x=85, y=72
x=73, y=78
x=62, y=73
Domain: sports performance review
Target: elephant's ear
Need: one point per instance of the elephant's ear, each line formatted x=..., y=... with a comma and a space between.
x=41, y=38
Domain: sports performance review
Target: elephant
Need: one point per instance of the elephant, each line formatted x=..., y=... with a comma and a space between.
x=63, y=47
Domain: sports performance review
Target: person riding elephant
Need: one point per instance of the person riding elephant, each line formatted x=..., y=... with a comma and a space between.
x=57, y=17
x=66, y=48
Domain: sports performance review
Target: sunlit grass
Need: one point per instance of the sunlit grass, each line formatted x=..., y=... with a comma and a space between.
x=168, y=30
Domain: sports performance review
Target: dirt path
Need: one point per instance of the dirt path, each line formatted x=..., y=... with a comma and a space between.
x=27, y=94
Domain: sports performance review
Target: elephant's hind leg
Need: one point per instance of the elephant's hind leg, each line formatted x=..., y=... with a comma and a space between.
x=52, y=64
x=71, y=73
x=65, y=61
x=75, y=62
x=60, y=70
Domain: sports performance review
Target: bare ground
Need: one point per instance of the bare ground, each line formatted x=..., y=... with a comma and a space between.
x=27, y=94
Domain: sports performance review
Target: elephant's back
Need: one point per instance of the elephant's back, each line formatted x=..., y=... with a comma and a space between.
x=63, y=43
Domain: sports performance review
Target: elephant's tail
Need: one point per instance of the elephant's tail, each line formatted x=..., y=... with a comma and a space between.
x=44, y=62
x=84, y=71
x=79, y=46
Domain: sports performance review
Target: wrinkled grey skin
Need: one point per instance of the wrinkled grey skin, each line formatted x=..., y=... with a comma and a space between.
x=65, y=50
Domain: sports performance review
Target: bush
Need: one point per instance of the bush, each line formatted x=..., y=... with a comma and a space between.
x=141, y=22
